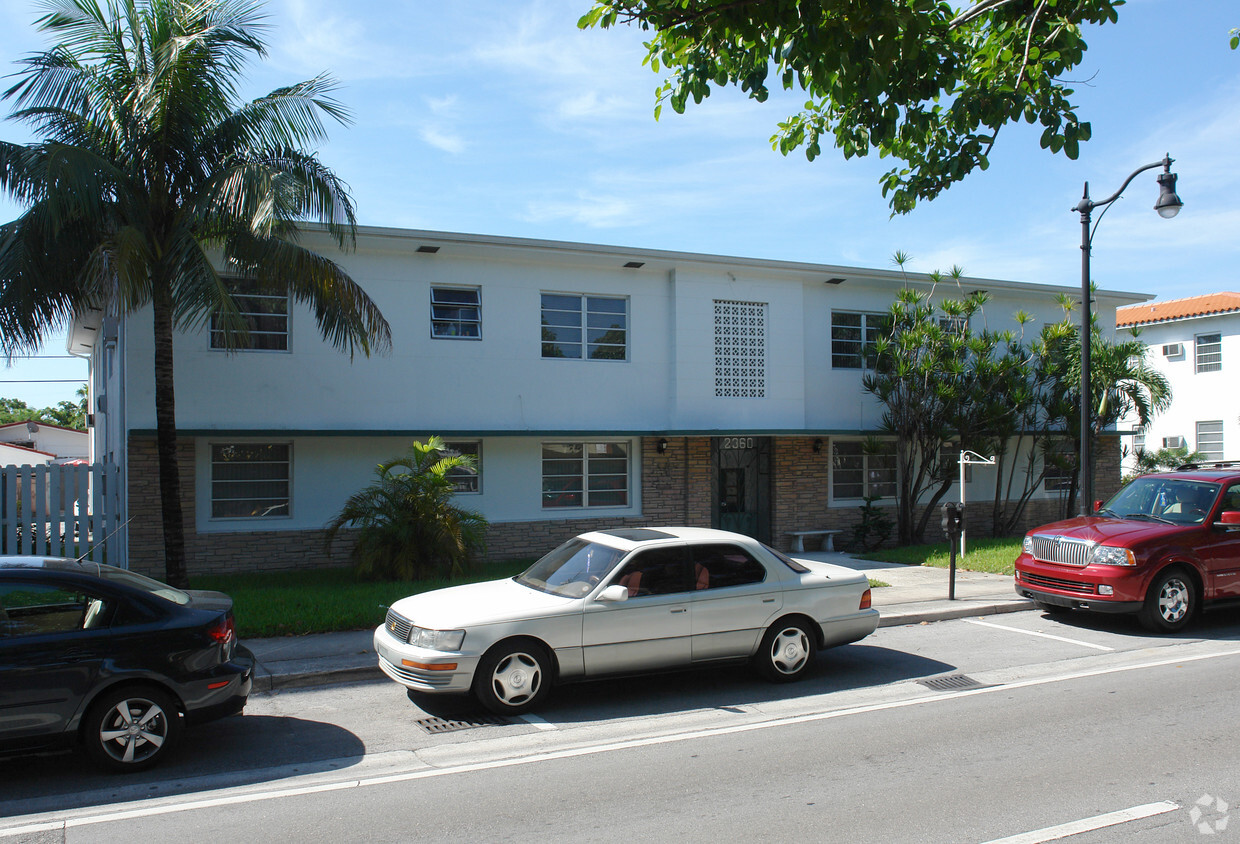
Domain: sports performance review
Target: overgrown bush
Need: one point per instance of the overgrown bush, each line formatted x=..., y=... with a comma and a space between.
x=875, y=526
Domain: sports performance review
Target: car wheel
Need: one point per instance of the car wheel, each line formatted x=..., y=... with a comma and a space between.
x=131, y=729
x=513, y=678
x=787, y=651
x=1170, y=602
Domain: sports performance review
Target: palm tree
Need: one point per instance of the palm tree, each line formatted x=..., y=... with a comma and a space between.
x=410, y=529
x=148, y=165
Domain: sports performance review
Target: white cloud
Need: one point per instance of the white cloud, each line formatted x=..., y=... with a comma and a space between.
x=442, y=140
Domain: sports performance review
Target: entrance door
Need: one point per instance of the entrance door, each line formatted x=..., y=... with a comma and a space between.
x=743, y=485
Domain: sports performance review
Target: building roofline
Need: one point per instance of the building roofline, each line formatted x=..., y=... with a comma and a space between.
x=1172, y=310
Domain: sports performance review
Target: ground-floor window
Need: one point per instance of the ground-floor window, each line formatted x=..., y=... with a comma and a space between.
x=466, y=480
x=1210, y=440
x=250, y=480
x=860, y=471
x=585, y=474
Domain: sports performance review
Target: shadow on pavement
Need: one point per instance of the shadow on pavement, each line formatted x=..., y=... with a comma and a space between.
x=246, y=749
x=1216, y=624
x=846, y=668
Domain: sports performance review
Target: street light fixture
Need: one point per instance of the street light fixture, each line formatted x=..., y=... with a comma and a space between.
x=1167, y=206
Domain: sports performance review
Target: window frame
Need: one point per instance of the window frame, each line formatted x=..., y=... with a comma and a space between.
x=212, y=480
x=865, y=357
x=1208, y=353
x=582, y=489
x=1207, y=456
x=215, y=335
x=458, y=306
x=460, y=476
x=868, y=484
x=1055, y=479
x=586, y=348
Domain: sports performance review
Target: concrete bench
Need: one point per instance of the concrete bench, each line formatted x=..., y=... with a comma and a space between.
x=798, y=541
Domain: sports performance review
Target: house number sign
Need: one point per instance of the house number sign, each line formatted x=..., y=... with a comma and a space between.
x=738, y=443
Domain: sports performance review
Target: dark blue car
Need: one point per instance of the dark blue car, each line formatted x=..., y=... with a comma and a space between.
x=114, y=661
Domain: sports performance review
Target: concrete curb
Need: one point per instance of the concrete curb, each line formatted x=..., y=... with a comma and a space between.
x=954, y=609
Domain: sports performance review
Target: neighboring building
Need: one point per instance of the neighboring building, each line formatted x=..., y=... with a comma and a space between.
x=1193, y=342
x=597, y=386
x=45, y=442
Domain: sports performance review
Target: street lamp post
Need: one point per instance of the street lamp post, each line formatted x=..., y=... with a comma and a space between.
x=1168, y=205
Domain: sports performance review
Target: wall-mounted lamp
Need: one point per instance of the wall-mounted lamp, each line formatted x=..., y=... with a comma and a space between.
x=818, y=446
x=661, y=446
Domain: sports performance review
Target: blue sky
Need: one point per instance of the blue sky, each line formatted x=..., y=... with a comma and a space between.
x=503, y=118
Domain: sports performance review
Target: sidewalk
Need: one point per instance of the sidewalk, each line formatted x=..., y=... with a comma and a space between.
x=917, y=594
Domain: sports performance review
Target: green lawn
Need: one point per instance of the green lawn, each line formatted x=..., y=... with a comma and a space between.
x=997, y=556
x=323, y=600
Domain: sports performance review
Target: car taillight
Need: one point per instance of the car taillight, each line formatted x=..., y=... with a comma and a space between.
x=865, y=601
x=223, y=631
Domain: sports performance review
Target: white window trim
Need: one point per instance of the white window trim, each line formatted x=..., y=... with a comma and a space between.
x=1212, y=348
x=585, y=507
x=471, y=289
x=210, y=484
x=288, y=327
x=866, y=316
x=885, y=501
x=585, y=327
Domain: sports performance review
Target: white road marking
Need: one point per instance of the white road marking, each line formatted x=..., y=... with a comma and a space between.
x=142, y=809
x=1035, y=633
x=1064, y=830
x=535, y=721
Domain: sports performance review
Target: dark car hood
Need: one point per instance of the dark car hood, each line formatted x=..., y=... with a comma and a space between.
x=201, y=599
x=1105, y=530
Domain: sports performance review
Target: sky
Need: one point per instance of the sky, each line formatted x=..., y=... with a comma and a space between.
x=500, y=117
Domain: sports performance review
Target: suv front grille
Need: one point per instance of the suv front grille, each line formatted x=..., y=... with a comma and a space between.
x=1056, y=583
x=398, y=625
x=1062, y=549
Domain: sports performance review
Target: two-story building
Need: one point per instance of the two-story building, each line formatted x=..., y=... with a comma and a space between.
x=596, y=386
x=1189, y=341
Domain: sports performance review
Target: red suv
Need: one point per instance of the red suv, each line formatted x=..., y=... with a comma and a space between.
x=1162, y=547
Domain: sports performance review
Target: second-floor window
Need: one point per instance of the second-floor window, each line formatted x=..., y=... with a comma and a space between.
x=1209, y=352
x=456, y=313
x=853, y=336
x=265, y=311
x=585, y=327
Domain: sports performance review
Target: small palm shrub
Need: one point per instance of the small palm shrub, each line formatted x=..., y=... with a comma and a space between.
x=407, y=527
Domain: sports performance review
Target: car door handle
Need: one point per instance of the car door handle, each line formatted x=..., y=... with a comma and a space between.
x=680, y=609
x=768, y=600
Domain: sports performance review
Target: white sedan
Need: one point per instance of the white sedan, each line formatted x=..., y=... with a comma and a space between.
x=622, y=602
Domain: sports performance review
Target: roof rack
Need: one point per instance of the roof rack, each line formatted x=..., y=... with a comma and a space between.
x=1218, y=464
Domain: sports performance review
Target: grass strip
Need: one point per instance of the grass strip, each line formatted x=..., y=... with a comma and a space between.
x=997, y=556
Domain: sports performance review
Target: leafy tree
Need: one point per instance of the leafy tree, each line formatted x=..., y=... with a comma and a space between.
x=926, y=82
x=16, y=410
x=149, y=163
x=66, y=413
x=1163, y=460
x=408, y=527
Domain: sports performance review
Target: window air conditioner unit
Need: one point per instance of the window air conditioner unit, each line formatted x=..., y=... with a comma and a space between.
x=1173, y=350
x=1173, y=442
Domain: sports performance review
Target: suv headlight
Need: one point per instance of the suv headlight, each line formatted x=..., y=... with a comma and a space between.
x=1107, y=555
x=436, y=640
x=1027, y=545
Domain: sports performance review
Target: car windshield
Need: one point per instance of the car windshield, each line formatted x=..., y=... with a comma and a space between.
x=571, y=570
x=1172, y=500
x=138, y=581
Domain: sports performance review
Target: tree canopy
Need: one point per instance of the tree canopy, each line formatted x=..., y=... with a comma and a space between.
x=927, y=83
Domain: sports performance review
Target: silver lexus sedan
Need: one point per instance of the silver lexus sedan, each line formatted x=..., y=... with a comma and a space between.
x=623, y=602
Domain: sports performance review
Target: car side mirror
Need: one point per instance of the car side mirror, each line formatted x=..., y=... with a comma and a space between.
x=1098, y=505
x=1228, y=520
x=616, y=592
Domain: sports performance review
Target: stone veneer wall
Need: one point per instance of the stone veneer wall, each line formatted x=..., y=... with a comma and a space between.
x=677, y=490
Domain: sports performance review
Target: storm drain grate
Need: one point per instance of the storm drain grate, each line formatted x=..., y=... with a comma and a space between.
x=951, y=683
x=451, y=725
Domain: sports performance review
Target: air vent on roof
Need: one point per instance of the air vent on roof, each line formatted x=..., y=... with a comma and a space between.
x=1173, y=442
x=428, y=250
x=1173, y=350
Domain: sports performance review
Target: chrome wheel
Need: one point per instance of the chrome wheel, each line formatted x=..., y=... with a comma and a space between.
x=131, y=730
x=1170, y=602
x=1173, y=600
x=513, y=679
x=787, y=651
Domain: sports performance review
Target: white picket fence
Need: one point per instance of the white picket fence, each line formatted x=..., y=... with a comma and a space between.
x=62, y=511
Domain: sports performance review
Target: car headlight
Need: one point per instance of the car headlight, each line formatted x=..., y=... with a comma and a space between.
x=1106, y=555
x=436, y=640
x=1027, y=545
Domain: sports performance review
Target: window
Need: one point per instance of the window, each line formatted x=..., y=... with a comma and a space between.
x=1210, y=440
x=585, y=474
x=1059, y=460
x=740, y=349
x=949, y=463
x=265, y=311
x=720, y=566
x=853, y=336
x=250, y=480
x=593, y=326
x=658, y=571
x=954, y=324
x=1209, y=352
x=35, y=609
x=465, y=480
x=456, y=313
x=857, y=472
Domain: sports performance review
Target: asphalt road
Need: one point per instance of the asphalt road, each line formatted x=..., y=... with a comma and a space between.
x=1053, y=723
